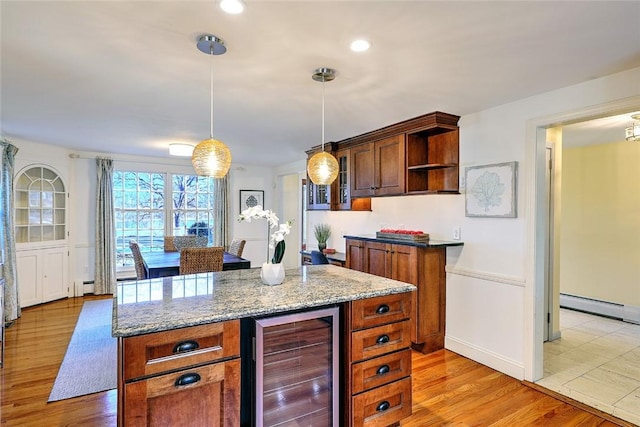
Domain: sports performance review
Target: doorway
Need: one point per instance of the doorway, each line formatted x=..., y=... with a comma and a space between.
x=551, y=321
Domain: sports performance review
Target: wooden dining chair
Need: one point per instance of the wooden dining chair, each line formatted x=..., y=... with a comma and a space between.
x=201, y=260
x=141, y=273
x=169, y=246
x=237, y=246
x=181, y=242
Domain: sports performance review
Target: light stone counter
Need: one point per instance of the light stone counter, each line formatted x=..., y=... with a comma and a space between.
x=167, y=303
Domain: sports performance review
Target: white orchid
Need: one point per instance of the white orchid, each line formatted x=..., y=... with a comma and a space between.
x=276, y=240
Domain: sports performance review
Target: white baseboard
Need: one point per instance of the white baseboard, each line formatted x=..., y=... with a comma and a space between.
x=627, y=313
x=486, y=357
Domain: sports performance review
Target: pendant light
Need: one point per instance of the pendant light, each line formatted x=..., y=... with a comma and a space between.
x=632, y=133
x=211, y=157
x=322, y=167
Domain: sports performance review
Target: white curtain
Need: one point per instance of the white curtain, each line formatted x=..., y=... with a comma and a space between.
x=7, y=233
x=221, y=213
x=105, y=266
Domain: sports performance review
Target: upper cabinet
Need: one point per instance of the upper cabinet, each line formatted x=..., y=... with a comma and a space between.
x=336, y=196
x=378, y=168
x=432, y=161
x=40, y=206
x=416, y=156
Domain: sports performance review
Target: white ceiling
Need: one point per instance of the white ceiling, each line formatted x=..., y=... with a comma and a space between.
x=125, y=76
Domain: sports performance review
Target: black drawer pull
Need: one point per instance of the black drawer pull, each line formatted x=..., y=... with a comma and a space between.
x=384, y=369
x=383, y=406
x=383, y=339
x=187, y=379
x=183, y=346
x=384, y=308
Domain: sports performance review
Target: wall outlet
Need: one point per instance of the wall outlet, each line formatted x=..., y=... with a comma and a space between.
x=456, y=233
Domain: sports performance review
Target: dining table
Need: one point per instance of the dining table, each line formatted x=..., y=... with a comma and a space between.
x=165, y=264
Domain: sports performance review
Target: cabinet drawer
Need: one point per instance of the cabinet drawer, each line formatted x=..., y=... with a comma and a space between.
x=380, y=370
x=176, y=349
x=206, y=395
x=380, y=310
x=380, y=340
x=384, y=405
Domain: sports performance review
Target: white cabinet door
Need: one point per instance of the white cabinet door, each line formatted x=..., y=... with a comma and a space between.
x=29, y=264
x=42, y=275
x=54, y=275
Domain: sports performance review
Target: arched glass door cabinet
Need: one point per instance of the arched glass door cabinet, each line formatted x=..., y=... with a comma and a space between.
x=42, y=253
x=40, y=206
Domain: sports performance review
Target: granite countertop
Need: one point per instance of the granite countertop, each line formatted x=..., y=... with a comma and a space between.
x=167, y=303
x=426, y=244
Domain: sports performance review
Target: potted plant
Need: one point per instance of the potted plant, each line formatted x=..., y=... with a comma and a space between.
x=322, y=233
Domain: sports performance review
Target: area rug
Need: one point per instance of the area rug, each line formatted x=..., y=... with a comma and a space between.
x=89, y=366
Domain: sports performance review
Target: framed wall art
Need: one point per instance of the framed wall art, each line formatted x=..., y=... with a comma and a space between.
x=491, y=190
x=251, y=198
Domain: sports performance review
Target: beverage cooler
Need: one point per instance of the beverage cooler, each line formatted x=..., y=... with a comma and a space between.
x=292, y=377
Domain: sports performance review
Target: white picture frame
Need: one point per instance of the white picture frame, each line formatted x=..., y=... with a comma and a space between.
x=251, y=198
x=491, y=190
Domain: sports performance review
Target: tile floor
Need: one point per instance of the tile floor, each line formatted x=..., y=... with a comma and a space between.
x=596, y=362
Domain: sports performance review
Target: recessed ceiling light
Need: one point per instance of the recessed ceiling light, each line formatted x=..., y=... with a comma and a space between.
x=233, y=7
x=360, y=45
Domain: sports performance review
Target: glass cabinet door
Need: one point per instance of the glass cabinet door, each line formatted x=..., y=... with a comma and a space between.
x=40, y=206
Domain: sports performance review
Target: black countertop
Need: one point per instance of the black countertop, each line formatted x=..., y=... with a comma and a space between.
x=424, y=244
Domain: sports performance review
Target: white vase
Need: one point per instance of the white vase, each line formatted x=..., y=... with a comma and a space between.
x=272, y=274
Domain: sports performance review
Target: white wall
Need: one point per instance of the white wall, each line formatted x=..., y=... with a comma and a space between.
x=493, y=281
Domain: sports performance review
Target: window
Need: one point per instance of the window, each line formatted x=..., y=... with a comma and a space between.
x=142, y=214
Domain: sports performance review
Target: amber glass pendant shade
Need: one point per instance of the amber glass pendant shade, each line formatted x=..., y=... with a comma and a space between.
x=322, y=168
x=211, y=158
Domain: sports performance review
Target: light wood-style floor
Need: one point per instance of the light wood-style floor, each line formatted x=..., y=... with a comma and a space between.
x=449, y=390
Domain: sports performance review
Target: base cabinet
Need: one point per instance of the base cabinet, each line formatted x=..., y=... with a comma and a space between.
x=186, y=377
x=42, y=275
x=379, y=362
x=177, y=399
x=423, y=267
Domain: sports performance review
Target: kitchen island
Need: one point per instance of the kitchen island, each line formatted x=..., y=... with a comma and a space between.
x=179, y=344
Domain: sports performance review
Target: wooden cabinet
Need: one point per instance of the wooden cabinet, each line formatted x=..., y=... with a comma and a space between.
x=416, y=156
x=336, y=196
x=42, y=275
x=423, y=267
x=379, y=360
x=378, y=168
x=183, y=377
x=355, y=255
x=432, y=161
x=318, y=196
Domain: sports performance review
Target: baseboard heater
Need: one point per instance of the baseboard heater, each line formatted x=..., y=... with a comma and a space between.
x=627, y=313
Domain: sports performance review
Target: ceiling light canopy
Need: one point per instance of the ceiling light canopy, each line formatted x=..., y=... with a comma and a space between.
x=632, y=133
x=233, y=7
x=322, y=167
x=180, y=149
x=211, y=157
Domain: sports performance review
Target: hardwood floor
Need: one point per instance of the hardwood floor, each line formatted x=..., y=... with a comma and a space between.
x=448, y=390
